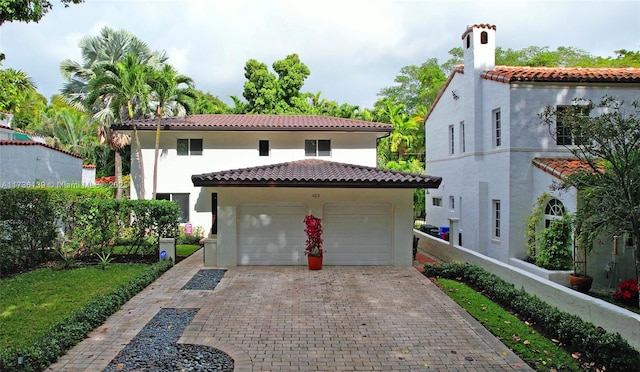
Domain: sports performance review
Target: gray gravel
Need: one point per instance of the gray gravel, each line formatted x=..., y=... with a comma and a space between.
x=205, y=280
x=155, y=349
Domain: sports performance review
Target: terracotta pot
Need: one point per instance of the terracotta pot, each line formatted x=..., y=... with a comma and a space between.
x=581, y=283
x=315, y=263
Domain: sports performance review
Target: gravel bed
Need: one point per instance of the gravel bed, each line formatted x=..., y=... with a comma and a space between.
x=155, y=349
x=205, y=280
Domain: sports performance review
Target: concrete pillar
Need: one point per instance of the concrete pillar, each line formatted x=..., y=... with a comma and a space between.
x=168, y=249
x=454, y=234
x=210, y=254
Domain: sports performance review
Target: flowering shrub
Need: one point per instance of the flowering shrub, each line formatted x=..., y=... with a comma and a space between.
x=627, y=292
x=314, y=236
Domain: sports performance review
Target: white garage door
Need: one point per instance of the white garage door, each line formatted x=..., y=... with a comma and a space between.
x=271, y=234
x=358, y=234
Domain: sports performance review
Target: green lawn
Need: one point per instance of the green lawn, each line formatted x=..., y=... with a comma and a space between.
x=536, y=350
x=186, y=249
x=32, y=302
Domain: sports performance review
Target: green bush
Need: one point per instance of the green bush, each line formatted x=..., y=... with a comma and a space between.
x=193, y=238
x=67, y=333
x=604, y=349
x=554, y=251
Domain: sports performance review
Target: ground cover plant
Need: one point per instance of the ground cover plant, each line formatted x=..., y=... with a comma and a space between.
x=597, y=349
x=59, y=307
x=532, y=347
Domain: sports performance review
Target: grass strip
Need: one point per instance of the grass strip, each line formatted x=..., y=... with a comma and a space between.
x=533, y=348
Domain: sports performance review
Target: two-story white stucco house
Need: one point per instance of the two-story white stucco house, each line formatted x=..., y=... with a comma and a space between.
x=485, y=138
x=249, y=180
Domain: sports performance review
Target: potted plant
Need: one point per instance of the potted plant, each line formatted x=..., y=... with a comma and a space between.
x=579, y=280
x=313, y=249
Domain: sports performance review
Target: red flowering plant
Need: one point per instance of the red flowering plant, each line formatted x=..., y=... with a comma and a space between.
x=627, y=292
x=314, y=236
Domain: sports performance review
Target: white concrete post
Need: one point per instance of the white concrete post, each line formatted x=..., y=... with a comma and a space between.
x=210, y=254
x=168, y=249
x=454, y=234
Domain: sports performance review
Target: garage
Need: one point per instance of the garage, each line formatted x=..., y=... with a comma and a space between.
x=358, y=234
x=271, y=234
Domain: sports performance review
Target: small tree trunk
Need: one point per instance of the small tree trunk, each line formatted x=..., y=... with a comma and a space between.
x=141, y=191
x=118, y=171
x=155, y=157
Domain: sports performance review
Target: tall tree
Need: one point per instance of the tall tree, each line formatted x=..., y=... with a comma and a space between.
x=172, y=95
x=18, y=96
x=108, y=47
x=124, y=87
x=609, y=191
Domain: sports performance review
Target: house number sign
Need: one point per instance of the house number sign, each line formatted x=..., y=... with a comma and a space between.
x=315, y=195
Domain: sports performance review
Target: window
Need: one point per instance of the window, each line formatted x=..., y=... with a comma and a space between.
x=563, y=131
x=452, y=140
x=189, y=146
x=463, y=143
x=484, y=37
x=452, y=203
x=436, y=202
x=263, y=147
x=496, y=219
x=183, y=202
x=497, y=128
x=317, y=147
x=553, y=211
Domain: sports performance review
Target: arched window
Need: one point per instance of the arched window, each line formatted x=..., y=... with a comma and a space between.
x=553, y=211
x=484, y=37
x=468, y=41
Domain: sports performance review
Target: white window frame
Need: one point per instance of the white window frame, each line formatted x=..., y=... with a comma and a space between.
x=496, y=116
x=316, y=150
x=463, y=142
x=496, y=217
x=190, y=144
x=452, y=140
x=436, y=201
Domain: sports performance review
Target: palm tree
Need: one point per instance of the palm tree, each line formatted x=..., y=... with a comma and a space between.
x=170, y=94
x=123, y=88
x=108, y=47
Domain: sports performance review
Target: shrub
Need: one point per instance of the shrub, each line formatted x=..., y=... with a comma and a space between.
x=627, y=292
x=193, y=238
x=604, y=349
x=554, y=251
x=67, y=333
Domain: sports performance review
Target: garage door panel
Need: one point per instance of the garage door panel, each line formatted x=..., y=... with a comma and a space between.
x=358, y=234
x=271, y=235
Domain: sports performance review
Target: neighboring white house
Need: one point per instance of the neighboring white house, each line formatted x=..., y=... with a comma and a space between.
x=249, y=180
x=485, y=137
x=27, y=161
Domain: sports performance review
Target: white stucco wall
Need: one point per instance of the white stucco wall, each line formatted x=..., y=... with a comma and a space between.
x=32, y=165
x=232, y=150
x=231, y=198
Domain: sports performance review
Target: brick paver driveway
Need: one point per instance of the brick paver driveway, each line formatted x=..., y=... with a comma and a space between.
x=291, y=319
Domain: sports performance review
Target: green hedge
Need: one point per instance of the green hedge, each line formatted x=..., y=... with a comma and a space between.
x=70, y=331
x=32, y=219
x=604, y=349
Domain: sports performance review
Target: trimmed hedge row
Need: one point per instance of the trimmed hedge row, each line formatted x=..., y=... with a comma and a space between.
x=604, y=349
x=35, y=223
x=70, y=331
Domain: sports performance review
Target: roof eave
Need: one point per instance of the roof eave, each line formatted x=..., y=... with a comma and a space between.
x=431, y=184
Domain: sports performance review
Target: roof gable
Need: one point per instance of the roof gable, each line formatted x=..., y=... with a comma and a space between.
x=315, y=173
x=237, y=122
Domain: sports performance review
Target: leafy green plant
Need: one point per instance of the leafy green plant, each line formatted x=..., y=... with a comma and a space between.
x=554, y=250
x=104, y=259
x=67, y=251
x=533, y=220
x=599, y=349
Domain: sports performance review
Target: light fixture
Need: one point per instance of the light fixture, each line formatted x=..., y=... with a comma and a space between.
x=455, y=95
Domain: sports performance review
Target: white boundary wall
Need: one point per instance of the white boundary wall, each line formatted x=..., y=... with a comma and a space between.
x=610, y=317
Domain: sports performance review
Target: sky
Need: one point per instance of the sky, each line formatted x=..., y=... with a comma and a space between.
x=353, y=48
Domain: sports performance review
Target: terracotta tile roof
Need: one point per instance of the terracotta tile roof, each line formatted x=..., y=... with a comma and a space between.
x=89, y=166
x=35, y=143
x=227, y=122
x=510, y=74
x=316, y=173
x=560, y=167
x=479, y=25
